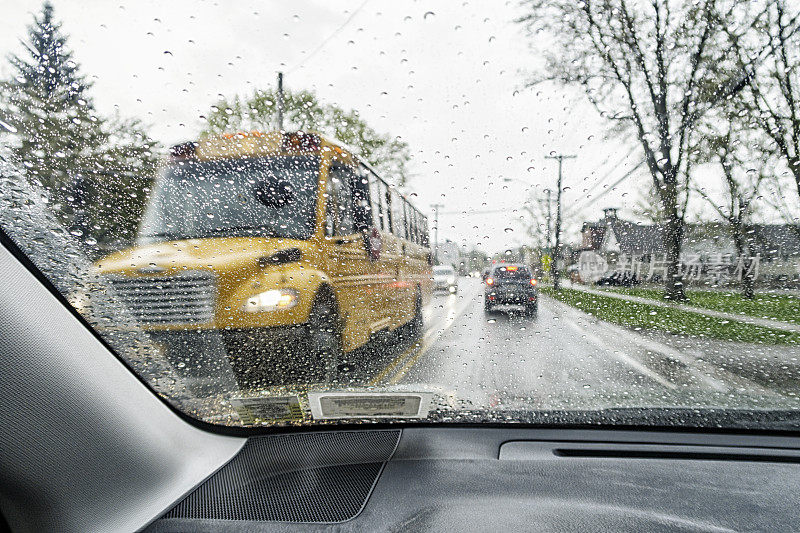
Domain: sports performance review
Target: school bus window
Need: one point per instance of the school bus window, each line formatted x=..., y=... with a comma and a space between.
x=384, y=205
x=330, y=210
x=342, y=181
x=409, y=223
x=380, y=207
x=398, y=220
x=361, y=203
x=389, y=214
x=377, y=206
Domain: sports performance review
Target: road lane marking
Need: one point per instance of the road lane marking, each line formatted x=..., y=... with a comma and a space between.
x=699, y=369
x=423, y=342
x=625, y=358
x=663, y=349
x=433, y=336
x=399, y=359
x=427, y=314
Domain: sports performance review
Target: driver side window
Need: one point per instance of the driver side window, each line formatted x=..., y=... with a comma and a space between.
x=339, y=219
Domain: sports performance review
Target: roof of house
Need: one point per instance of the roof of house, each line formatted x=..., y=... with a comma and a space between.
x=772, y=239
x=595, y=236
x=636, y=239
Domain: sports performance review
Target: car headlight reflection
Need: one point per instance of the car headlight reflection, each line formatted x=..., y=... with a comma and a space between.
x=272, y=300
x=80, y=301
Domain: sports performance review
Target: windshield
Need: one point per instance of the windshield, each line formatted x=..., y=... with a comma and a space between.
x=272, y=197
x=549, y=212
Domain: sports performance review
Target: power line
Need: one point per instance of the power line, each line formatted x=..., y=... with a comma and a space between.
x=476, y=212
x=328, y=38
x=628, y=174
x=610, y=171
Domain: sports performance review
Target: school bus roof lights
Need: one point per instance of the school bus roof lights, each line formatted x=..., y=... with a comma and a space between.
x=301, y=142
x=183, y=151
x=248, y=143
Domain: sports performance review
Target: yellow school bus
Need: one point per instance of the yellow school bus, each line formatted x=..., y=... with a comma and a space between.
x=286, y=245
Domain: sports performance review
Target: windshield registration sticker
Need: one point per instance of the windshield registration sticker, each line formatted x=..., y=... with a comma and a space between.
x=268, y=409
x=369, y=405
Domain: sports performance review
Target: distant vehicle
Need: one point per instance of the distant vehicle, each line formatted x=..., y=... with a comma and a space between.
x=618, y=279
x=511, y=284
x=445, y=279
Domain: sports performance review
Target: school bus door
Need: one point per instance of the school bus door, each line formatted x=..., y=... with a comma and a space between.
x=348, y=262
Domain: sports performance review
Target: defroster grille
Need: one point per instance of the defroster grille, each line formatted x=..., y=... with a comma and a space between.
x=302, y=477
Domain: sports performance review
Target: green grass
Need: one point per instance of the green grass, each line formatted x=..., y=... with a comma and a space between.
x=783, y=307
x=640, y=316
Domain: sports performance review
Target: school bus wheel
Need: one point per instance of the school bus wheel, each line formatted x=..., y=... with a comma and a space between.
x=324, y=340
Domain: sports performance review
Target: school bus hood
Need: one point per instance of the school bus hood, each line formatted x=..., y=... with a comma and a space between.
x=222, y=254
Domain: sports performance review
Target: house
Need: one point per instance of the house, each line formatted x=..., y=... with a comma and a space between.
x=613, y=235
x=706, y=246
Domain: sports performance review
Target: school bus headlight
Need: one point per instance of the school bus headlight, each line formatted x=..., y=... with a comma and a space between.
x=273, y=300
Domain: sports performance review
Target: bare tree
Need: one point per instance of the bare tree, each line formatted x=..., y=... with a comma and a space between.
x=640, y=65
x=770, y=52
x=744, y=170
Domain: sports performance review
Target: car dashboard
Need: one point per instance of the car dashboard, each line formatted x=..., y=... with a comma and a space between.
x=493, y=479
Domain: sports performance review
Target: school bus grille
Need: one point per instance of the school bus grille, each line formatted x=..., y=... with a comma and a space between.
x=187, y=298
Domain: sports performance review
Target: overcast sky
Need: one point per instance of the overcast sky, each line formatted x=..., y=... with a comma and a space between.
x=449, y=80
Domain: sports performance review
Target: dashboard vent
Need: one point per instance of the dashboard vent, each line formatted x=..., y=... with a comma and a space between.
x=303, y=477
x=679, y=455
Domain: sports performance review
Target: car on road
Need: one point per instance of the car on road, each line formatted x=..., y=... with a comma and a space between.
x=445, y=279
x=511, y=284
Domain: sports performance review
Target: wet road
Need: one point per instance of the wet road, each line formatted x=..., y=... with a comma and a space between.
x=560, y=358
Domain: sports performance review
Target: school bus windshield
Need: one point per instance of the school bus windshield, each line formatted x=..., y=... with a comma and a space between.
x=265, y=196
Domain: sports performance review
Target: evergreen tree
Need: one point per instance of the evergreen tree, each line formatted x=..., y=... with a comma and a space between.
x=57, y=131
x=95, y=171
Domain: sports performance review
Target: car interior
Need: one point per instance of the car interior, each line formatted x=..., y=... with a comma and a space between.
x=381, y=266
x=76, y=458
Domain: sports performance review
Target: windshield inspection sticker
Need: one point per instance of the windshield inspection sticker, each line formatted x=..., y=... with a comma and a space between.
x=268, y=408
x=369, y=404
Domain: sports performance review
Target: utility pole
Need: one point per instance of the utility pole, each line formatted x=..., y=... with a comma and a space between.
x=280, y=101
x=557, y=249
x=436, y=231
x=549, y=220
